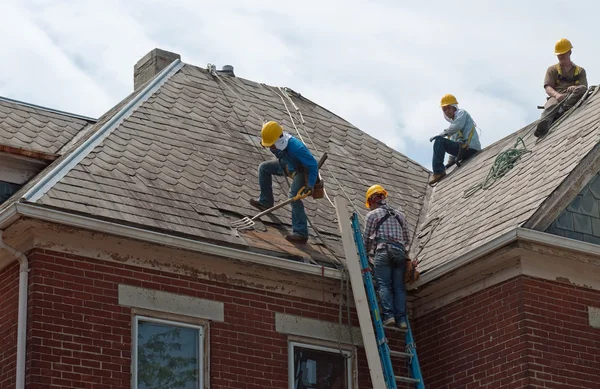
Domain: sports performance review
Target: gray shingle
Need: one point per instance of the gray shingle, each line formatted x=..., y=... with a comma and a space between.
x=513, y=199
x=186, y=161
x=35, y=128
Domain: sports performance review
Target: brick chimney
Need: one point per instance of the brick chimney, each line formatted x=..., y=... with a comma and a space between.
x=151, y=64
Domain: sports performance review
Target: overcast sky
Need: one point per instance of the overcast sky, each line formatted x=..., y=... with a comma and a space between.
x=381, y=65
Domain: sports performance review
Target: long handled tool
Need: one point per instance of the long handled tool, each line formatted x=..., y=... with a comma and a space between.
x=247, y=222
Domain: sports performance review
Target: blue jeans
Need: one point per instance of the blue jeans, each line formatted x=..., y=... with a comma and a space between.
x=390, y=282
x=266, y=171
x=441, y=146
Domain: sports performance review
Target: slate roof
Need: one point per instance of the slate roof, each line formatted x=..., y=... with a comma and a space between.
x=466, y=223
x=185, y=162
x=34, y=128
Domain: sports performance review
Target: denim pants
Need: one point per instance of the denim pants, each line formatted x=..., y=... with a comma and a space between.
x=266, y=171
x=390, y=282
x=441, y=146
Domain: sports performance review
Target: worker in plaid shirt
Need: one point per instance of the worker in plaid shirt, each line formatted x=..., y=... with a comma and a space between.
x=386, y=233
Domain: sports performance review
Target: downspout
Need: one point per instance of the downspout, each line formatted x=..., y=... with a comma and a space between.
x=22, y=317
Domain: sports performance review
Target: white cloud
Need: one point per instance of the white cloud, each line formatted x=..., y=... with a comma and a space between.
x=382, y=65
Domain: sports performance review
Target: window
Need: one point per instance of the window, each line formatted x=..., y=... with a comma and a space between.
x=167, y=355
x=7, y=189
x=315, y=367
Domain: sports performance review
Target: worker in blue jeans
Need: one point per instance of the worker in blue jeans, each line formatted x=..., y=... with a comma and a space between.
x=294, y=159
x=462, y=135
x=386, y=235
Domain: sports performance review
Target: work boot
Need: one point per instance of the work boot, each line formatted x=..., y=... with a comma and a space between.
x=296, y=238
x=543, y=127
x=437, y=177
x=545, y=123
x=259, y=205
x=402, y=325
x=389, y=322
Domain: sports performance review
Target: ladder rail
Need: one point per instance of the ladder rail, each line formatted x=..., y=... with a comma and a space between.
x=414, y=366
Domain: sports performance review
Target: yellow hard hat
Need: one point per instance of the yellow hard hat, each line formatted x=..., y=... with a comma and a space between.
x=562, y=46
x=448, y=100
x=375, y=189
x=271, y=131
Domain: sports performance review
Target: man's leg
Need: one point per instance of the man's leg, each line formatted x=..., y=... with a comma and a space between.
x=574, y=97
x=383, y=275
x=398, y=286
x=299, y=221
x=547, y=118
x=266, y=171
x=441, y=146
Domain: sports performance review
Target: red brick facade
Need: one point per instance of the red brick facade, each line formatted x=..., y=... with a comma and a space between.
x=9, y=303
x=80, y=336
x=523, y=333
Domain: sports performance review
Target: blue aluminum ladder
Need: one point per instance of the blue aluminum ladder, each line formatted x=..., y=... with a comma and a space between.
x=385, y=354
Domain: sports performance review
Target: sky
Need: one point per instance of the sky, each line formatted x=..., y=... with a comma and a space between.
x=382, y=65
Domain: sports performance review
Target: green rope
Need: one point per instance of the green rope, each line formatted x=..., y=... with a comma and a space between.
x=504, y=162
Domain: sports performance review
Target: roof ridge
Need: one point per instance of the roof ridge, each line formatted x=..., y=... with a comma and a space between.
x=77, y=155
x=47, y=109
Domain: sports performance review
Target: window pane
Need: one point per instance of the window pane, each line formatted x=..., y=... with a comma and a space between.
x=316, y=369
x=167, y=356
x=7, y=189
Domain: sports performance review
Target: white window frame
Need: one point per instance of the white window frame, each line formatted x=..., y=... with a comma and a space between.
x=134, y=341
x=292, y=344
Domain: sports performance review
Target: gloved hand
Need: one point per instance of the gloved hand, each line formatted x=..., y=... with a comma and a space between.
x=305, y=191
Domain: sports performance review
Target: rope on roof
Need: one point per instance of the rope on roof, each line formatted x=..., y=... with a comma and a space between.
x=504, y=162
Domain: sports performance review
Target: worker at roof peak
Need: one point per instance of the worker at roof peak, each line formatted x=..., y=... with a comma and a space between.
x=564, y=83
x=460, y=139
x=295, y=160
x=386, y=236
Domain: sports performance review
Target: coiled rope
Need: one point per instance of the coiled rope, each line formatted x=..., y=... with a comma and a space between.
x=504, y=162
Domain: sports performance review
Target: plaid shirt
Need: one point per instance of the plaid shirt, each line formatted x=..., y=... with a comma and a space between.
x=394, y=229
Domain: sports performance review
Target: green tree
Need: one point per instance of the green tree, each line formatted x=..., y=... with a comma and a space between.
x=158, y=365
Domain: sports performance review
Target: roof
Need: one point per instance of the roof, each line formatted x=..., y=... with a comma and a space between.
x=184, y=161
x=34, y=128
x=461, y=224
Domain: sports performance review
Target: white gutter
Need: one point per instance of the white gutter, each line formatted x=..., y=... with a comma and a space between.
x=22, y=315
x=98, y=225
x=514, y=235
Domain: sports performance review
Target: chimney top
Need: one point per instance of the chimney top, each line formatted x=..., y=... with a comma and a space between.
x=227, y=69
x=151, y=64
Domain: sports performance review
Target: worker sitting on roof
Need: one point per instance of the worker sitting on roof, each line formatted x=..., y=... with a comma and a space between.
x=463, y=142
x=295, y=160
x=564, y=83
x=386, y=233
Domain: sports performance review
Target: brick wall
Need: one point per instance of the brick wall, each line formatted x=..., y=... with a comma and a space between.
x=80, y=335
x=523, y=333
x=9, y=303
x=563, y=349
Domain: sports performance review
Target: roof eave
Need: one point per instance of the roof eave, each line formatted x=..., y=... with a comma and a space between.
x=516, y=234
x=16, y=210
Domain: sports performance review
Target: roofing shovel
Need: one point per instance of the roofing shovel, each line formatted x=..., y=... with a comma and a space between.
x=247, y=222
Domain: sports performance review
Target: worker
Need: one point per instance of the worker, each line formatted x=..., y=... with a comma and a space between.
x=460, y=139
x=386, y=236
x=295, y=160
x=564, y=83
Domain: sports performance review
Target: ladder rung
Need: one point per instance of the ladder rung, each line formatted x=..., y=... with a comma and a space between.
x=400, y=354
x=408, y=380
x=392, y=328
